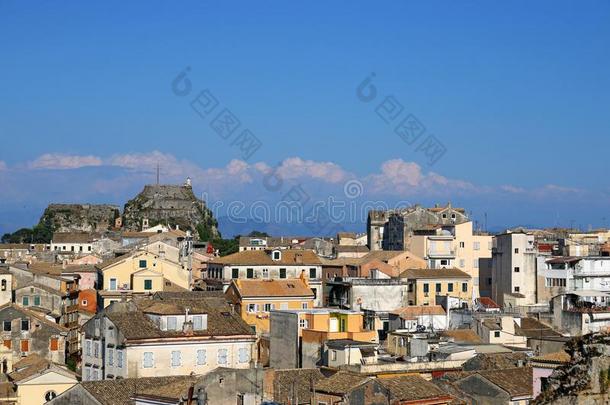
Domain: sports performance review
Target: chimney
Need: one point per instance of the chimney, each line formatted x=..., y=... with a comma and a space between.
x=298, y=258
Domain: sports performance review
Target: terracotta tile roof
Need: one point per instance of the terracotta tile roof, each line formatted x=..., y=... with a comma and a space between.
x=39, y=317
x=351, y=249
x=555, y=357
x=434, y=273
x=341, y=383
x=300, y=380
x=414, y=311
x=28, y=366
x=222, y=321
x=412, y=388
x=273, y=288
x=73, y=237
x=44, y=288
x=462, y=335
x=174, y=390
x=487, y=302
x=289, y=257
x=518, y=382
x=120, y=392
x=532, y=328
x=495, y=361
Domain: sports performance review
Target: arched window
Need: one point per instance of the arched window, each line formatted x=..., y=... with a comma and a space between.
x=49, y=395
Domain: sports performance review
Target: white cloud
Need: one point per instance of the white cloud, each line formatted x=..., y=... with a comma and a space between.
x=63, y=162
x=512, y=189
x=295, y=167
x=404, y=178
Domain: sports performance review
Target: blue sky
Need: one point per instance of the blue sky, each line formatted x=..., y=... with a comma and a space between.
x=518, y=94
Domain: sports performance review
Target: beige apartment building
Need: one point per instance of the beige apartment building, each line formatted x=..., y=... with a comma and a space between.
x=454, y=246
x=140, y=273
x=425, y=284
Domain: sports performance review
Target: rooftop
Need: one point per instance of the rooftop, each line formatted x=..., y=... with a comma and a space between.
x=288, y=257
x=434, y=273
x=273, y=288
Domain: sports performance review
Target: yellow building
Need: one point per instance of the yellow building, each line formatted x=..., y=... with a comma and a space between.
x=255, y=298
x=425, y=284
x=455, y=246
x=140, y=273
x=36, y=380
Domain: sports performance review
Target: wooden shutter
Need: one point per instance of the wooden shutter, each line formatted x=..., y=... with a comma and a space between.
x=25, y=345
x=54, y=344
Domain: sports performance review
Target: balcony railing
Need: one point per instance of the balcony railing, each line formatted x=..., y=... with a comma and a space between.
x=441, y=253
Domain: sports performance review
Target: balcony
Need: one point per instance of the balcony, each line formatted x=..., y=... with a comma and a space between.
x=441, y=253
x=71, y=308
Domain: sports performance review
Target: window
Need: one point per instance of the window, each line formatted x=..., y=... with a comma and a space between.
x=333, y=355
x=477, y=245
x=87, y=373
x=249, y=273
x=234, y=273
x=95, y=374
x=303, y=323
x=252, y=308
x=49, y=395
x=172, y=323
x=489, y=279
x=113, y=283
x=25, y=345
x=25, y=324
x=222, y=356
x=119, y=358
x=462, y=244
x=426, y=288
x=282, y=273
x=25, y=300
x=464, y=287
x=450, y=287
x=197, y=322
x=88, y=347
x=444, y=262
x=148, y=284
x=96, y=349
x=475, y=263
x=276, y=255
x=517, y=289
x=54, y=344
x=7, y=343
x=142, y=264
x=312, y=272
x=304, y=305
x=269, y=307
x=6, y=326
x=497, y=334
x=516, y=269
x=265, y=273
x=516, y=250
x=284, y=305
x=201, y=357
x=84, y=303
x=243, y=355
x=462, y=262
x=176, y=358
x=438, y=287
x=37, y=300
x=148, y=360
x=110, y=356
x=3, y=285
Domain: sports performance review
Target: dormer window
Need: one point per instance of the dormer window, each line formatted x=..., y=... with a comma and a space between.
x=276, y=255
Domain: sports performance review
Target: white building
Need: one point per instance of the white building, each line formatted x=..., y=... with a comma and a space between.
x=155, y=338
x=267, y=264
x=514, y=269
